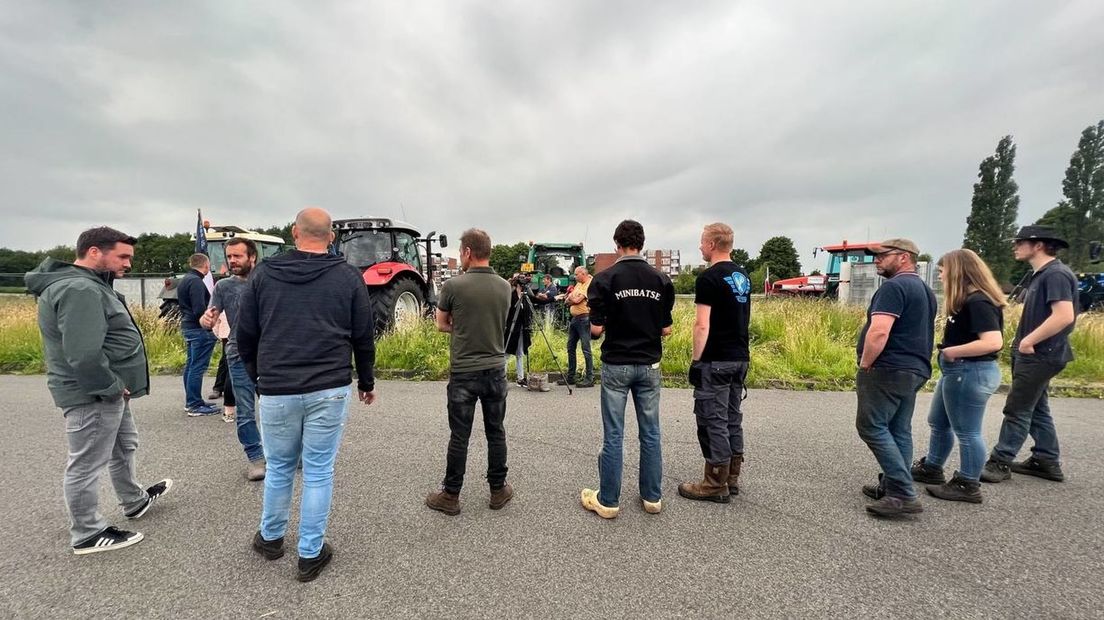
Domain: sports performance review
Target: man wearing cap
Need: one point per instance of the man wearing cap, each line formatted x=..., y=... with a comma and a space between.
x=1040, y=351
x=894, y=354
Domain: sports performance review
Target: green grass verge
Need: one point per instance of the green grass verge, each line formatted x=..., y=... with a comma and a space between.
x=796, y=344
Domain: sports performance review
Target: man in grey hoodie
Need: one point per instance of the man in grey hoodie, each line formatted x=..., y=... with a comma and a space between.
x=95, y=364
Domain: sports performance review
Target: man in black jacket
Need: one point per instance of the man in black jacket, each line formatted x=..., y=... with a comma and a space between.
x=631, y=303
x=193, y=296
x=304, y=316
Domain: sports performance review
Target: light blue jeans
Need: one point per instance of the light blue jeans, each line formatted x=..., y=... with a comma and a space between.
x=245, y=394
x=957, y=409
x=307, y=426
x=643, y=382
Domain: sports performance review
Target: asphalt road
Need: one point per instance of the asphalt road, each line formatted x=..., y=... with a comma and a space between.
x=796, y=543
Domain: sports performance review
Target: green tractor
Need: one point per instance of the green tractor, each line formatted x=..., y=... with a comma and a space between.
x=559, y=261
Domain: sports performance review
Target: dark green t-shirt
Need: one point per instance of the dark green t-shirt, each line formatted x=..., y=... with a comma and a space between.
x=478, y=301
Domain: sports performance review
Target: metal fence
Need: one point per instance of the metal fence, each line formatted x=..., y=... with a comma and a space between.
x=139, y=289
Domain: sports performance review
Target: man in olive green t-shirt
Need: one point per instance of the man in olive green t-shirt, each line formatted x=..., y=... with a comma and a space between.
x=473, y=307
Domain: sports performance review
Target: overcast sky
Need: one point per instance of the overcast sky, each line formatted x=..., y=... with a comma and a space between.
x=547, y=121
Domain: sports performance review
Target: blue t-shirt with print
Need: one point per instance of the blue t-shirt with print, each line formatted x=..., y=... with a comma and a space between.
x=912, y=337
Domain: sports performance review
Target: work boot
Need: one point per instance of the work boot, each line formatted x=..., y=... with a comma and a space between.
x=500, y=496
x=714, y=488
x=256, y=470
x=891, y=507
x=1040, y=468
x=734, y=466
x=958, y=489
x=924, y=473
x=443, y=501
x=875, y=491
x=996, y=471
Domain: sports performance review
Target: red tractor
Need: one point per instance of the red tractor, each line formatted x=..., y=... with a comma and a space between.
x=826, y=285
x=396, y=262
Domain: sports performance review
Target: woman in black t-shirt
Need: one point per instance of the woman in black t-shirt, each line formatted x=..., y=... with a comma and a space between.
x=972, y=338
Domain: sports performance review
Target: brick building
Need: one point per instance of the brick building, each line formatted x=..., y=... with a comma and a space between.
x=667, y=261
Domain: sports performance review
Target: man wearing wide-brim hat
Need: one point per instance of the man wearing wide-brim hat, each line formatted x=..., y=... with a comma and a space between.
x=1040, y=351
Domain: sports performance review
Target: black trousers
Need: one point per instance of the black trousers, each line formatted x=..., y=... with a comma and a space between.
x=488, y=388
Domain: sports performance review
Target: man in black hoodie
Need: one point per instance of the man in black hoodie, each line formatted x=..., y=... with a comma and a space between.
x=304, y=316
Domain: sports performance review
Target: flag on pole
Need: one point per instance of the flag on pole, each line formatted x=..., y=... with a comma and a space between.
x=200, y=235
x=201, y=248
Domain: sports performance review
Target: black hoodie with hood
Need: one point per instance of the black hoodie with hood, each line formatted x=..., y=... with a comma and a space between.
x=302, y=319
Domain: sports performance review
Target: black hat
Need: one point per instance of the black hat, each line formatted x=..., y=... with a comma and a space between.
x=1040, y=233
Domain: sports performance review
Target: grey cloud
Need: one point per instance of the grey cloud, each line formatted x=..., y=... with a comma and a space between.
x=539, y=121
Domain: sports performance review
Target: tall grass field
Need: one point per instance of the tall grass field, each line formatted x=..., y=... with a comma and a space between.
x=796, y=343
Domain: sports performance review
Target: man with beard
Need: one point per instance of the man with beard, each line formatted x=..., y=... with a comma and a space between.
x=894, y=353
x=95, y=365
x=241, y=257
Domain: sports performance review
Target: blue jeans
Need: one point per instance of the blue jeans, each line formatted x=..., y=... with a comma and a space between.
x=246, y=396
x=307, y=426
x=887, y=398
x=1027, y=410
x=200, y=345
x=579, y=331
x=957, y=409
x=644, y=383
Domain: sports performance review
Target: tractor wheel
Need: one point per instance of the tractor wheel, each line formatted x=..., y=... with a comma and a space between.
x=394, y=302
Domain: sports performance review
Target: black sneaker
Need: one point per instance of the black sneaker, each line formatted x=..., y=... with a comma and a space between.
x=585, y=383
x=565, y=381
x=996, y=471
x=958, y=489
x=927, y=474
x=108, y=540
x=270, y=549
x=523, y=383
x=875, y=491
x=891, y=507
x=310, y=568
x=1040, y=468
x=155, y=491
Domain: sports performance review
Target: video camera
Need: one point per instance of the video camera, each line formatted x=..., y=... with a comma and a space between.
x=523, y=279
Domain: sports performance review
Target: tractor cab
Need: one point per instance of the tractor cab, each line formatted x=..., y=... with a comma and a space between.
x=557, y=260
x=217, y=236
x=396, y=263
x=827, y=284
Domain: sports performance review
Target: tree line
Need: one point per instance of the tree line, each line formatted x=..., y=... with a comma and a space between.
x=994, y=210
x=1078, y=217
x=158, y=254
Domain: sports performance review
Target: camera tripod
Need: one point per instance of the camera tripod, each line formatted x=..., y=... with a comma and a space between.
x=523, y=298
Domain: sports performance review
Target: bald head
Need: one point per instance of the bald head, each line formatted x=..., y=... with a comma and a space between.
x=313, y=230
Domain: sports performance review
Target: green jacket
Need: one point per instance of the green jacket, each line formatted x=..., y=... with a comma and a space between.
x=93, y=346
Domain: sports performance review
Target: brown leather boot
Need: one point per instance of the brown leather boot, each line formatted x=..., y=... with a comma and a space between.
x=448, y=503
x=713, y=488
x=499, y=497
x=734, y=474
